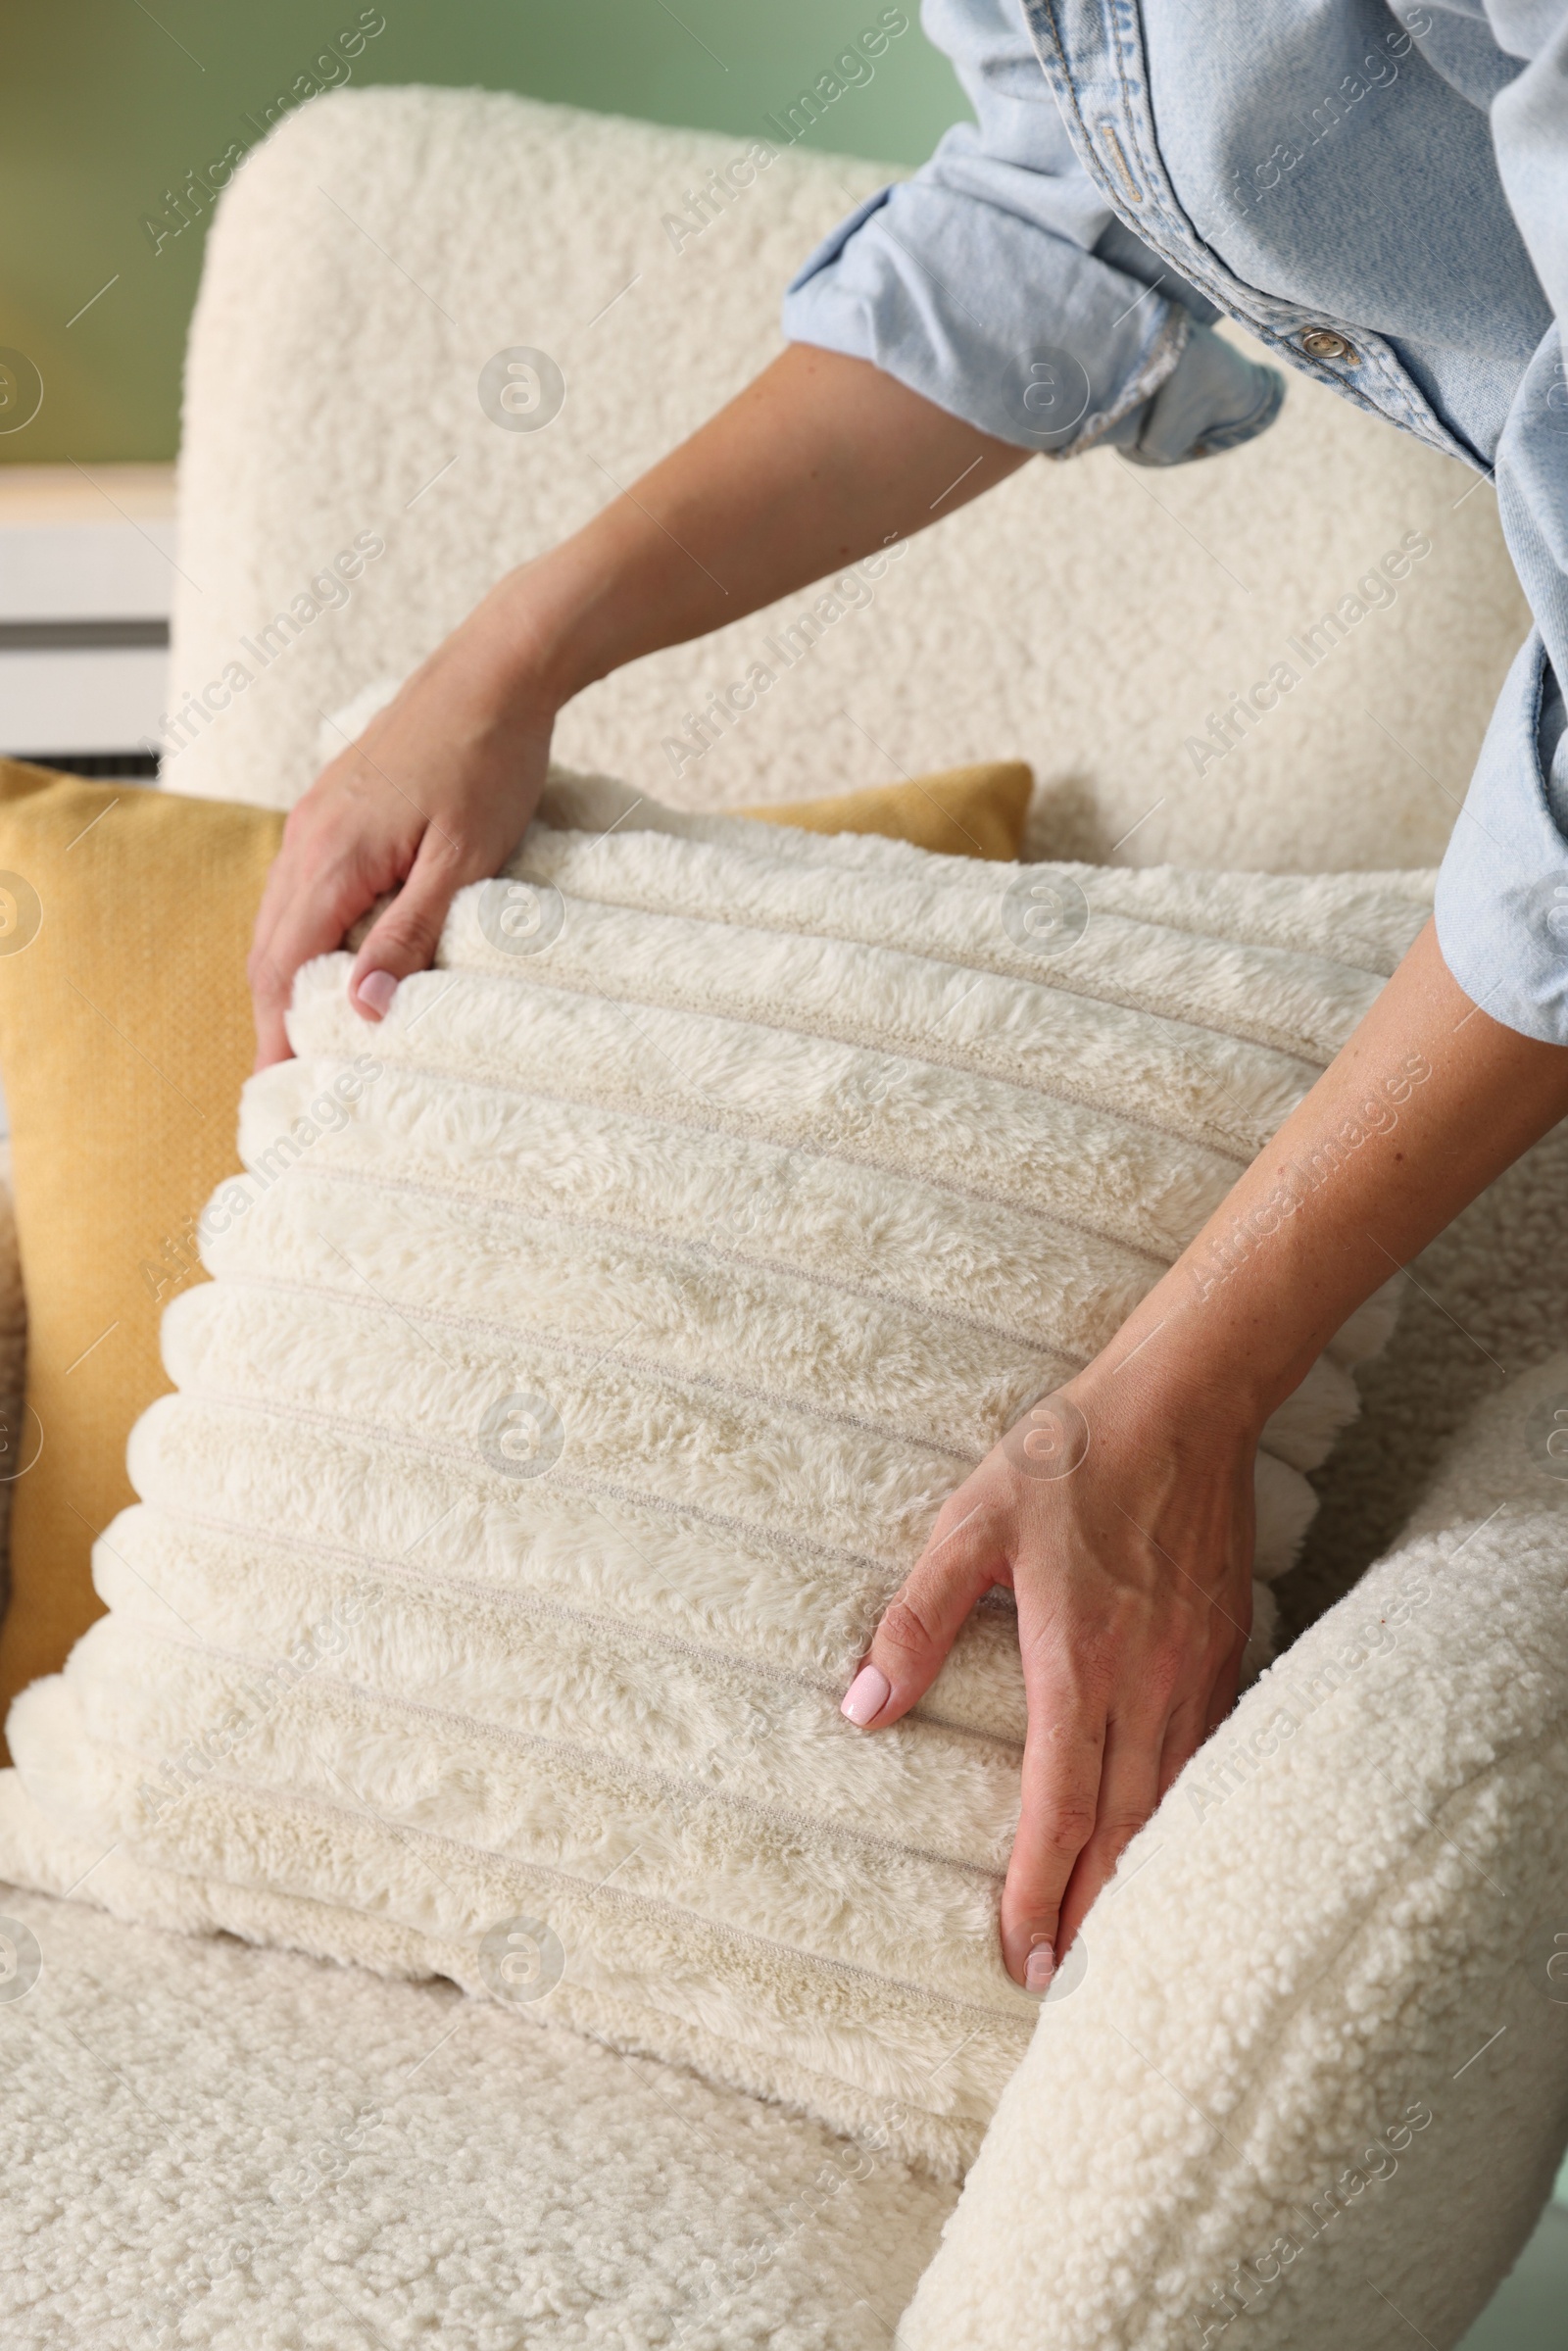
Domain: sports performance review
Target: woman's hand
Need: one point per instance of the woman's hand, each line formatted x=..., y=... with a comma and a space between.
x=1122, y=1521
x=436, y=793
x=822, y=462
x=1120, y=1511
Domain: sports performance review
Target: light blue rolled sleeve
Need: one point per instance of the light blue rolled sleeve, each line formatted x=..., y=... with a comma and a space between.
x=998, y=284
x=1502, y=892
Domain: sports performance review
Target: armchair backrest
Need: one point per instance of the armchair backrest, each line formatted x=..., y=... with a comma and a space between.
x=1214, y=665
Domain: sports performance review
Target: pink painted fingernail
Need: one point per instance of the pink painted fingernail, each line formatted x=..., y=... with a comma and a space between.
x=866, y=1695
x=1039, y=1968
x=377, y=988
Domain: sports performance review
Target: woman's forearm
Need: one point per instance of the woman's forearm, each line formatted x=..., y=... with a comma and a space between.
x=1428, y=1102
x=1132, y=1567
x=819, y=461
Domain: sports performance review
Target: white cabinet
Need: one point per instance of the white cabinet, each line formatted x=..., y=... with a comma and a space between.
x=86, y=558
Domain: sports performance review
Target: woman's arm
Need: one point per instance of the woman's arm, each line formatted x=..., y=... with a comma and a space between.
x=1121, y=1513
x=819, y=461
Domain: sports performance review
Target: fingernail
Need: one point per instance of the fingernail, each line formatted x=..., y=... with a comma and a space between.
x=1039, y=1968
x=866, y=1695
x=377, y=988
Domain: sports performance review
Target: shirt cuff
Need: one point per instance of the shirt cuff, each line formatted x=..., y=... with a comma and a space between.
x=1214, y=400
x=897, y=284
x=1023, y=335
x=1501, y=906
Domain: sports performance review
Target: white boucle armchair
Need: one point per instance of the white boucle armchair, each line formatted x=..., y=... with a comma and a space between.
x=1316, y=1936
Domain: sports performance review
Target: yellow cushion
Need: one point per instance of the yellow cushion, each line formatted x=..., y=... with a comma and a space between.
x=124, y=1039
x=962, y=813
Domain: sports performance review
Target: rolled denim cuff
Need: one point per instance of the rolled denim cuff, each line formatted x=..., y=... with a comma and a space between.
x=1022, y=333
x=1502, y=889
x=1214, y=400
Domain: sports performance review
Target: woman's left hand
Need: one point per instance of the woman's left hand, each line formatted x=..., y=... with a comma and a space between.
x=1122, y=1519
x=1120, y=1508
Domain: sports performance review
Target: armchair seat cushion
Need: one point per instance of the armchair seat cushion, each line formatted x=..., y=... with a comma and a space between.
x=241, y=2149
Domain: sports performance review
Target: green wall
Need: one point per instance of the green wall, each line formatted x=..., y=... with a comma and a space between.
x=106, y=104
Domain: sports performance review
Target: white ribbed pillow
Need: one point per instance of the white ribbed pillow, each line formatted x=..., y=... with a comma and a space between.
x=587, y=1356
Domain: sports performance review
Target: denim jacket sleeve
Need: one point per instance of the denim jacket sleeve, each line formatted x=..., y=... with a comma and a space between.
x=998, y=283
x=1502, y=892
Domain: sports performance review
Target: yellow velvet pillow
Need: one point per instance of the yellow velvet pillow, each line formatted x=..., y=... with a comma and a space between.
x=124, y=1039
x=962, y=813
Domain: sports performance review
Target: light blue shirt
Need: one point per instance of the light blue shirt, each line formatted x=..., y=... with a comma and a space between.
x=1377, y=193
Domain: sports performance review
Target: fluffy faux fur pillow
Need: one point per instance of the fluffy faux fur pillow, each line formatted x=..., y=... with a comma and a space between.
x=146, y=902
x=590, y=1349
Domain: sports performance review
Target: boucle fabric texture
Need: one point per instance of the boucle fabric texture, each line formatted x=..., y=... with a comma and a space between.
x=1314, y=2084
x=759, y=1196
x=243, y=2150
x=1082, y=618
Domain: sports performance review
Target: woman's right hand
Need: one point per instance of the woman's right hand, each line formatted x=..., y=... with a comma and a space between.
x=435, y=793
x=822, y=462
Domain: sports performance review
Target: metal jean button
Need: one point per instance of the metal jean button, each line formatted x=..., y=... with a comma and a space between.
x=1322, y=343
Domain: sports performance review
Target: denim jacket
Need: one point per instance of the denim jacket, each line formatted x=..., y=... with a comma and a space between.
x=1377, y=193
